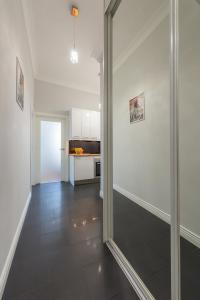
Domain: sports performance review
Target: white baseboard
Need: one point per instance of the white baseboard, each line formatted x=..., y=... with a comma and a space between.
x=151, y=208
x=190, y=236
x=9, y=259
x=101, y=194
x=185, y=232
x=134, y=279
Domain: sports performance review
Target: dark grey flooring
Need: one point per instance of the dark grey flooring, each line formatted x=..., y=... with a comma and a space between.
x=60, y=255
x=145, y=241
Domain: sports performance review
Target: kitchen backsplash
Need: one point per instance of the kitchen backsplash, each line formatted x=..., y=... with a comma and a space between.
x=92, y=147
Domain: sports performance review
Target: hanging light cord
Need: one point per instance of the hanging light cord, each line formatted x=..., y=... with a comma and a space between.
x=74, y=32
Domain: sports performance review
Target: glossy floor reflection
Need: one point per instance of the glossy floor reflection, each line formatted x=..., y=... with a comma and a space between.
x=146, y=244
x=145, y=241
x=60, y=255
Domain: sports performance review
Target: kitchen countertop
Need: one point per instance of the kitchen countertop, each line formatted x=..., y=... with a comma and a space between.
x=84, y=154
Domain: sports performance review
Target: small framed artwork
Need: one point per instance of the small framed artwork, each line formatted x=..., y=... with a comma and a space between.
x=19, y=85
x=137, y=108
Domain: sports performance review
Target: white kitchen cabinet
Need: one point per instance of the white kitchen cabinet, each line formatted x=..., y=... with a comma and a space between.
x=84, y=124
x=71, y=170
x=84, y=168
x=81, y=168
x=95, y=126
x=98, y=125
x=76, y=124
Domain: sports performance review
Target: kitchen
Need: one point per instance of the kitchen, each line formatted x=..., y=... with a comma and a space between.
x=67, y=147
x=84, y=146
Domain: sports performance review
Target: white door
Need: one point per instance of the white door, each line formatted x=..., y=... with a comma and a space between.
x=50, y=152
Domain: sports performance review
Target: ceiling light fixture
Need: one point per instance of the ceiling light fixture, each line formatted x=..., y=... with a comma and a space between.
x=74, y=57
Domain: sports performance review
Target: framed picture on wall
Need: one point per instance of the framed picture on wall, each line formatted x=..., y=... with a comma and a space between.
x=19, y=85
x=137, y=108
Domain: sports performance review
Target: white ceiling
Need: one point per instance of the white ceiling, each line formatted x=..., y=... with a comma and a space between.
x=50, y=31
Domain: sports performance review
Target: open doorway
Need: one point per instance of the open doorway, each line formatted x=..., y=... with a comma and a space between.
x=50, y=151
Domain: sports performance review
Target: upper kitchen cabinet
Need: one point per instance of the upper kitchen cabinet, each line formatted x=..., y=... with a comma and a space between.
x=95, y=125
x=75, y=124
x=84, y=124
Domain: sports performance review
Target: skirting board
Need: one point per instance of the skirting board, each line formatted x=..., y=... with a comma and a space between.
x=138, y=285
x=9, y=259
x=185, y=232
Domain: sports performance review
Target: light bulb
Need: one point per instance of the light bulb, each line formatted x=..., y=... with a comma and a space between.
x=74, y=56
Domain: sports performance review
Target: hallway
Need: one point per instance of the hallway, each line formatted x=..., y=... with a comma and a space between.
x=60, y=254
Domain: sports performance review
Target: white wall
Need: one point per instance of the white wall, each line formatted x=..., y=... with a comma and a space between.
x=14, y=124
x=141, y=150
x=57, y=99
x=189, y=115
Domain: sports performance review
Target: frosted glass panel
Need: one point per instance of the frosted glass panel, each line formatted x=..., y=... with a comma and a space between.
x=50, y=151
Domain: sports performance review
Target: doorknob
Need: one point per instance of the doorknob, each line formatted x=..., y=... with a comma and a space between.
x=62, y=149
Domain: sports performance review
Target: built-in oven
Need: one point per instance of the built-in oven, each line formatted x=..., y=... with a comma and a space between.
x=97, y=167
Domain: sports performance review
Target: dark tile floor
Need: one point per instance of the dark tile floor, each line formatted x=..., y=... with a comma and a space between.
x=60, y=255
x=145, y=241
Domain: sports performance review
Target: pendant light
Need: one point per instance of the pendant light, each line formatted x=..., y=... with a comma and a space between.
x=74, y=57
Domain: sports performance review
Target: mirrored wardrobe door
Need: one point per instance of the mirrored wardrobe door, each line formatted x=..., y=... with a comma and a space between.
x=141, y=139
x=189, y=147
